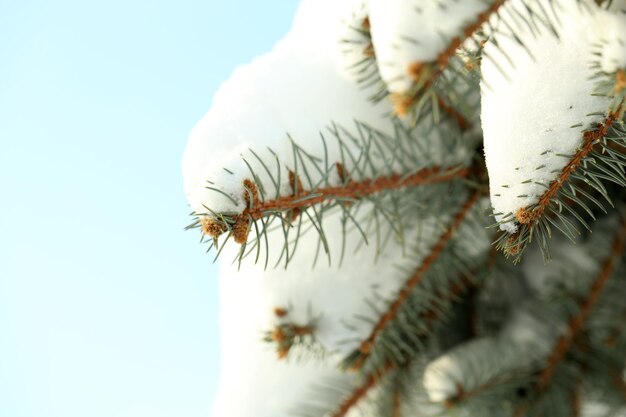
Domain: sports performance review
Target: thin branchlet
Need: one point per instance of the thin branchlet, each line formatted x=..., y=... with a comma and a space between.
x=576, y=398
x=578, y=321
x=358, y=394
x=417, y=69
x=301, y=199
x=366, y=345
x=429, y=317
x=590, y=139
x=396, y=405
x=576, y=324
x=402, y=102
x=597, y=160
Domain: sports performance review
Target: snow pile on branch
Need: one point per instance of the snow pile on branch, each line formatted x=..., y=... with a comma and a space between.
x=484, y=363
x=537, y=101
x=413, y=32
x=295, y=90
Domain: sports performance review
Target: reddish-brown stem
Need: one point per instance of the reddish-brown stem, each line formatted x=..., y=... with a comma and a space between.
x=451, y=111
x=354, y=190
x=578, y=321
x=616, y=333
x=301, y=198
x=576, y=399
x=358, y=394
x=429, y=317
x=418, y=275
x=620, y=81
x=618, y=380
x=590, y=139
x=396, y=406
x=444, y=56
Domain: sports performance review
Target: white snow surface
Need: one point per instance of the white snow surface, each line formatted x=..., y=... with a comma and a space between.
x=297, y=89
x=618, y=6
x=535, y=107
x=612, y=36
x=523, y=341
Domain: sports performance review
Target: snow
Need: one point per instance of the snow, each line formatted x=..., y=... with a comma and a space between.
x=409, y=31
x=612, y=36
x=283, y=92
x=524, y=341
x=618, y=6
x=574, y=266
x=534, y=108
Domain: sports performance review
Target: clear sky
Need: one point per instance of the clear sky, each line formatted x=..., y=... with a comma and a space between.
x=107, y=307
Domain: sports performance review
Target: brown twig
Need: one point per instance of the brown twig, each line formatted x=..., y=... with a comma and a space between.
x=618, y=380
x=396, y=406
x=458, y=117
x=358, y=394
x=576, y=324
x=366, y=346
x=443, y=58
x=429, y=317
x=301, y=198
x=590, y=139
x=576, y=399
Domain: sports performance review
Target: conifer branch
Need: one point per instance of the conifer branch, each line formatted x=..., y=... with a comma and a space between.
x=576, y=399
x=302, y=199
x=396, y=407
x=599, y=158
x=460, y=120
x=401, y=102
x=358, y=394
x=611, y=340
x=429, y=316
x=287, y=335
x=590, y=140
x=425, y=76
x=366, y=346
x=618, y=380
x=576, y=324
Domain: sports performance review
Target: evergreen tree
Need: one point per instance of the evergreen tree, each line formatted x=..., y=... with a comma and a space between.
x=419, y=210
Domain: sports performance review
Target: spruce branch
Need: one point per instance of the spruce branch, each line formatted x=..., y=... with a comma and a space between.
x=426, y=74
x=578, y=321
x=429, y=317
x=288, y=335
x=358, y=358
x=301, y=199
x=352, y=190
x=576, y=398
x=617, y=379
x=396, y=407
x=368, y=76
x=444, y=57
x=368, y=177
x=590, y=140
x=600, y=158
x=358, y=394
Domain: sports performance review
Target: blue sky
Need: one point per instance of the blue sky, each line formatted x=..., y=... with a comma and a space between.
x=107, y=307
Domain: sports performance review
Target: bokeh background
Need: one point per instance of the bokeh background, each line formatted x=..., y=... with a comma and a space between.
x=107, y=307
